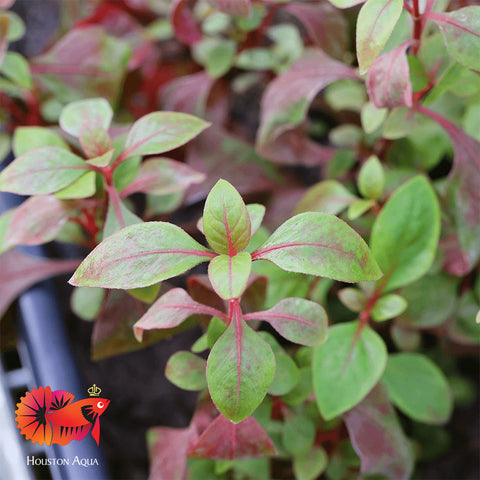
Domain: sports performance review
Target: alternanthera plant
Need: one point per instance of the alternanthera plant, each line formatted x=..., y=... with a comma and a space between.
x=241, y=365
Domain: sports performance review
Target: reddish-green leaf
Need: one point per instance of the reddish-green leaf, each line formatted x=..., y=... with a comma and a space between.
x=353, y=298
x=187, y=371
x=345, y=369
x=298, y=320
x=38, y=220
x=238, y=8
x=328, y=196
x=345, y=3
x=286, y=100
x=378, y=438
x=405, y=234
x=162, y=176
x=159, y=132
x=375, y=23
x=229, y=275
x=42, y=170
x=320, y=244
x=388, y=79
x=28, y=138
x=19, y=271
x=225, y=219
x=170, y=310
x=118, y=215
x=95, y=141
x=224, y=440
x=461, y=34
x=240, y=370
x=86, y=114
x=418, y=388
x=140, y=255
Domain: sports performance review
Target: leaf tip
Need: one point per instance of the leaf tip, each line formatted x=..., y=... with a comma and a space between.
x=138, y=332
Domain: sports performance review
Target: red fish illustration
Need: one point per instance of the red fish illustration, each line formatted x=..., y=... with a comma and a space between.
x=50, y=417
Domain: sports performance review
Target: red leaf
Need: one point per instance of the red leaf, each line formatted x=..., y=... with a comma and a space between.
x=181, y=17
x=19, y=272
x=168, y=456
x=224, y=440
x=238, y=8
x=38, y=220
x=388, y=79
x=325, y=25
x=463, y=192
x=286, y=100
x=378, y=438
x=220, y=155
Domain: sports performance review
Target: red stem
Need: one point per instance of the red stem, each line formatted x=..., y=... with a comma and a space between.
x=417, y=27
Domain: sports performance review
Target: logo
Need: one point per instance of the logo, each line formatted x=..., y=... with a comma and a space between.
x=50, y=417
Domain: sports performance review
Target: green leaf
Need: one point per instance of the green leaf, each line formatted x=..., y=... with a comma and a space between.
x=375, y=23
x=298, y=434
x=28, y=138
x=418, y=388
x=145, y=294
x=346, y=95
x=225, y=219
x=358, y=208
x=258, y=58
x=371, y=178
x=353, y=298
x=216, y=55
x=159, y=132
x=298, y=320
x=91, y=113
x=405, y=234
x=400, y=122
x=86, y=302
x=256, y=213
x=460, y=30
x=387, y=307
x=328, y=196
x=310, y=465
x=302, y=390
x=229, y=275
x=240, y=370
x=140, y=255
x=186, y=371
x=286, y=375
x=345, y=3
x=344, y=371
x=16, y=68
x=41, y=171
x=418, y=75
x=320, y=244
x=216, y=328
x=372, y=117
x=83, y=187
x=16, y=28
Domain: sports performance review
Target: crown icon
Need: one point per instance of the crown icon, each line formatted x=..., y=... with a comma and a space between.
x=94, y=391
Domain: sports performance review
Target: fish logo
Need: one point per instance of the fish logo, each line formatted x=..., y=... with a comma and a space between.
x=50, y=417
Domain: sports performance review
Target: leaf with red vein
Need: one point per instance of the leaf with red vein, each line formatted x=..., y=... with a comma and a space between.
x=375, y=23
x=461, y=34
x=225, y=219
x=170, y=310
x=19, y=272
x=378, y=438
x=162, y=176
x=37, y=220
x=463, y=192
x=159, y=132
x=41, y=171
x=238, y=8
x=388, y=79
x=240, y=370
x=326, y=26
x=298, y=320
x=286, y=100
x=140, y=255
x=224, y=440
x=184, y=24
x=229, y=275
x=320, y=244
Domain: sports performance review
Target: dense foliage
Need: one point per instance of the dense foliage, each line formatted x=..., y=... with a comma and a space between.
x=360, y=165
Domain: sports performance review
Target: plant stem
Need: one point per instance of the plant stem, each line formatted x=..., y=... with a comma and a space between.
x=417, y=27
